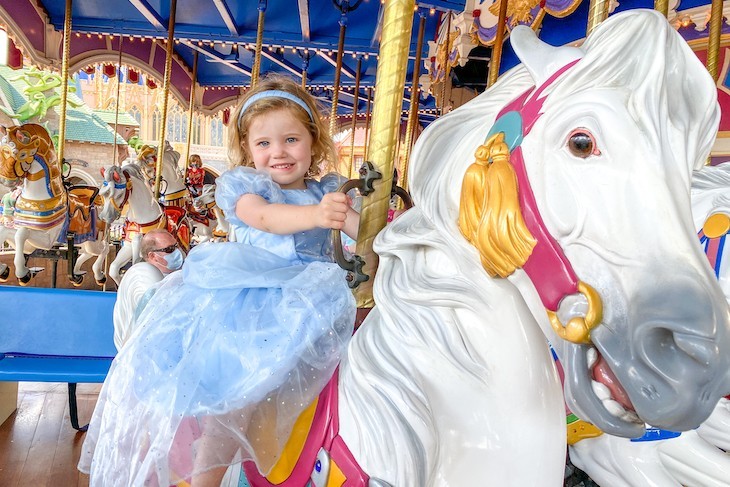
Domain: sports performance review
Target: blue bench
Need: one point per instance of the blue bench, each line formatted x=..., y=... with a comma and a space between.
x=56, y=335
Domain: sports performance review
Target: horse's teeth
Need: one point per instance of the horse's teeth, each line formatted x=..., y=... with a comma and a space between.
x=614, y=407
x=630, y=417
x=592, y=357
x=601, y=390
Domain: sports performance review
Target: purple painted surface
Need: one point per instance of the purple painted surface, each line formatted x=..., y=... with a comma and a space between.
x=212, y=97
x=32, y=25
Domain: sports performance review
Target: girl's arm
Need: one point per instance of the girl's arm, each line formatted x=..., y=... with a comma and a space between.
x=283, y=219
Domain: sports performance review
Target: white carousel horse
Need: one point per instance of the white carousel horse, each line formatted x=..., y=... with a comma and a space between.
x=209, y=223
x=45, y=210
x=173, y=190
x=693, y=458
x=174, y=194
x=449, y=381
x=127, y=186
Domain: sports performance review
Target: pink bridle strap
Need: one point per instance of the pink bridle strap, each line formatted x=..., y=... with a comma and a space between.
x=547, y=266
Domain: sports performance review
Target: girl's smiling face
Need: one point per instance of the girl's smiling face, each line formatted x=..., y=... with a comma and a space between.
x=281, y=146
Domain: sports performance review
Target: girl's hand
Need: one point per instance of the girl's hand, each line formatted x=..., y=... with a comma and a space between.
x=331, y=212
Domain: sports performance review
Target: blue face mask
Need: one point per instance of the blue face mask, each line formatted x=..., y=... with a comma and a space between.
x=174, y=260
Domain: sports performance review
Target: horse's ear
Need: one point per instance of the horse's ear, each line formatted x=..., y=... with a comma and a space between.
x=541, y=59
x=116, y=177
x=102, y=171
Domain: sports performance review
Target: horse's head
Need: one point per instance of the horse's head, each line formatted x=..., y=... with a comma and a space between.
x=206, y=199
x=582, y=183
x=115, y=189
x=18, y=148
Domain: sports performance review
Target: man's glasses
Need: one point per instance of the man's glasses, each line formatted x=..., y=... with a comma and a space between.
x=167, y=250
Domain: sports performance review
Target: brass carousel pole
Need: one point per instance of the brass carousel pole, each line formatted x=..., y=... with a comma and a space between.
x=259, y=41
x=64, y=80
x=116, y=114
x=305, y=66
x=190, y=110
x=662, y=6
x=390, y=83
x=713, y=41
x=496, y=59
x=368, y=106
x=446, y=61
x=597, y=13
x=338, y=70
x=355, y=103
x=165, y=95
x=413, y=113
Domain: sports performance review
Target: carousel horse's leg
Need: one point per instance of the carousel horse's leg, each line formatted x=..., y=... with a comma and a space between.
x=21, y=270
x=136, y=244
x=123, y=256
x=98, y=265
x=5, y=236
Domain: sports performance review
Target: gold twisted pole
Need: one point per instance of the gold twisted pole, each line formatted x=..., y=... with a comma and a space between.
x=355, y=103
x=713, y=41
x=165, y=95
x=338, y=70
x=662, y=6
x=116, y=113
x=190, y=111
x=496, y=60
x=390, y=83
x=597, y=13
x=446, y=61
x=64, y=80
x=413, y=113
x=259, y=42
x=368, y=105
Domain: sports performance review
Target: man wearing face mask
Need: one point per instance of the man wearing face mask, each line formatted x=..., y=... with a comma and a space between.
x=162, y=255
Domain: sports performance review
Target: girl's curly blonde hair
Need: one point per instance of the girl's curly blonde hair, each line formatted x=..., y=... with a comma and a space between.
x=323, y=148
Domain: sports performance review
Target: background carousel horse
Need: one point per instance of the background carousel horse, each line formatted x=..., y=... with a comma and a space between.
x=449, y=380
x=46, y=212
x=127, y=187
x=209, y=223
x=174, y=194
x=694, y=458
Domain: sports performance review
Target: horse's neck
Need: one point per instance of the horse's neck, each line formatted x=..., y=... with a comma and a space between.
x=142, y=205
x=40, y=185
x=447, y=382
x=175, y=182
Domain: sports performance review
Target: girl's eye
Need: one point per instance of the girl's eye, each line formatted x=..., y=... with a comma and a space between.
x=581, y=143
x=264, y=143
x=291, y=140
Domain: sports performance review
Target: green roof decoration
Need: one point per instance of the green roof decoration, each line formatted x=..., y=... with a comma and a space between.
x=19, y=88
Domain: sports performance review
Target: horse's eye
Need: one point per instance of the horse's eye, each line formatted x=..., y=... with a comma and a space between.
x=582, y=144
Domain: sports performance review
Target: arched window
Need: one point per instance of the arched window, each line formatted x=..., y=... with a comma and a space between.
x=196, y=128
x=216, y=131
x=136, y=114
x=156, y=123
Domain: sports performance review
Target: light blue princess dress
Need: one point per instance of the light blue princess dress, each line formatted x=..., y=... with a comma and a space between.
x=228, y=353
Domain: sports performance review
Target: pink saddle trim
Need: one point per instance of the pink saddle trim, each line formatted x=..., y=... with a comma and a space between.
x=324, y=433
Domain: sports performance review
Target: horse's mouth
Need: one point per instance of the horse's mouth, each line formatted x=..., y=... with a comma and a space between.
x=608, y=389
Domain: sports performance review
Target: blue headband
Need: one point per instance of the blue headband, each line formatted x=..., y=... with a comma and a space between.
x=274, y=94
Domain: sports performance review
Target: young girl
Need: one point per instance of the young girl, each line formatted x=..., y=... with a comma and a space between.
x=235, y=346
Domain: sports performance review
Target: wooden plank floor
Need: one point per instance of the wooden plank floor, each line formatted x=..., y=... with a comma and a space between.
x=38, y=446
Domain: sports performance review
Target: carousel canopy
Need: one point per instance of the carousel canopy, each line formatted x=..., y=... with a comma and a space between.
x=298, y=35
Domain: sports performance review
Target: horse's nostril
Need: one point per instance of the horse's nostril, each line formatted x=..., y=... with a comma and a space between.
x=702, y=350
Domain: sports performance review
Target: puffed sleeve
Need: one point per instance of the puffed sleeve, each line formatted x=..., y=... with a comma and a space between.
x=236, y=182
x=331, y=181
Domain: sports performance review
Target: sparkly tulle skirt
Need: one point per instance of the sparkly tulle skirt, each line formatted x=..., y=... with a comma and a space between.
x=224, y=358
